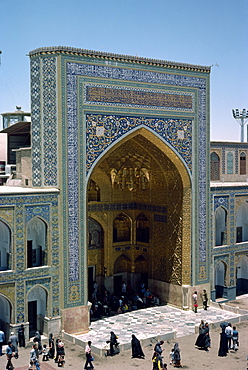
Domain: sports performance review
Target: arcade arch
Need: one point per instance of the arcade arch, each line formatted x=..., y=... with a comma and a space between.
x=242, y=276
x=242, y=223
x=37, y=309
x=36, y=243
x=5, y=241
x=5, y=315
x=220, y=278
x=144, y=213
x=220, y=226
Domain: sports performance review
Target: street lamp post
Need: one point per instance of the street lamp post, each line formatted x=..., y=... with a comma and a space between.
x=241, y=117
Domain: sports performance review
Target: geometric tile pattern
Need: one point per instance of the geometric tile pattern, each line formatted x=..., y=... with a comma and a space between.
x=36, y=133
x=76, y=73
x=221, y=201
x=103, y=130
x=49, y=121
x=73, y=71
x=25, y=208
x=44, y=122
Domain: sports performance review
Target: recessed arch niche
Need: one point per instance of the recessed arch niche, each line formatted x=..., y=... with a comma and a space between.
x=143, y=178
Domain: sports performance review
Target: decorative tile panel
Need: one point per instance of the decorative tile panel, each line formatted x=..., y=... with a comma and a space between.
x=24, y=208
x=119, y=95
x=103, y=130
x=221, y=201
x=36, y=120
x=39, y=210
x=44, y=121
x=101, y=142
x=50, y=145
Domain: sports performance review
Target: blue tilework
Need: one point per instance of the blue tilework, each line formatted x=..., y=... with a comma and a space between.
x=221, y=201
x=49, y=121
x=36, y=119
x=39, y=210
x=103, y=130
x=73, y=70
x=25, y=208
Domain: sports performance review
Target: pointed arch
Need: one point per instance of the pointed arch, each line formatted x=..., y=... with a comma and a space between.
x=220, y=226
x=122, y=264
x=122, y=228
x=5, y=246
x=37, y=308
x=5, y=314
x=242, y=275
x=214, y=166
x=242, y=163
x=220, y=278
x=141, y=265
x=242, y=223
x=36, y=236
x=95, y=234
x=142, y=228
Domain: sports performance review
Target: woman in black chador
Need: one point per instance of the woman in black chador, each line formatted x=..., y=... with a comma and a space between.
x=136, y=348
x=223, y=349
x=113, y=343
x=203, y=340
x=51, y=346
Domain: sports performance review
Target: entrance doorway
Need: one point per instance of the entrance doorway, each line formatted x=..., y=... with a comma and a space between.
x=32, y=317
x=91, y=279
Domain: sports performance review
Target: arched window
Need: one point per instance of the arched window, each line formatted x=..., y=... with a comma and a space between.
x=36, y=243
x=229, y=163
x=142, y=229
x=215, y=166
x=242, y=223
x=4, y=247
x=95, y=234
x=220, y=278
x=220, y=226
x=242, y=163
x=121, y=228
x=93, y=192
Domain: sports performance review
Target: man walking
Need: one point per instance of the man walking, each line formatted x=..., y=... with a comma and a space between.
x=14, y=342
x=2, y=339
x=229, y=333
x=9, y=355
x=34, y=357
x=235, y=338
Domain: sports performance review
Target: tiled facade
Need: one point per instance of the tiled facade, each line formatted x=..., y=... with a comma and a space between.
x=229, y=193
x=84, y=105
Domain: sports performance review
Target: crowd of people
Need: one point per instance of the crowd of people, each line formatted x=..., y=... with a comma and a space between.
x=108, y=304
x=174, y=356
x=54, y=351
x=229, y=338
x=137, y=352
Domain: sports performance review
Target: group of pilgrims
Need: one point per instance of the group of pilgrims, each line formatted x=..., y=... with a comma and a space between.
x=228, y=338
x=203, y=340
x=137, y=352
x=157, y=358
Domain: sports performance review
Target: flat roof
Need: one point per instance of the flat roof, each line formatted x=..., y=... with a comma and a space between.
x=6, y=190
x=116, y=57
x=221, y=184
